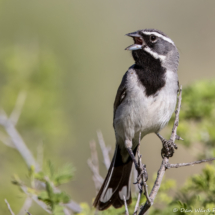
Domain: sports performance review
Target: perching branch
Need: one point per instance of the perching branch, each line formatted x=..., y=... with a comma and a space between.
x=177, y=112
x=141, y=183
x=165, y=160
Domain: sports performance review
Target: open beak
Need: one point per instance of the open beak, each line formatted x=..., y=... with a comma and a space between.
x=138, y=41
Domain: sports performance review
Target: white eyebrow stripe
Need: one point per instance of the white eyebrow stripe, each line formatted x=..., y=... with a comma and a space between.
x=154, y=54
x=159, y=35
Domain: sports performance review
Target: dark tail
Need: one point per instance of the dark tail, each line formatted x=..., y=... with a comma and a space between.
x=116, y=184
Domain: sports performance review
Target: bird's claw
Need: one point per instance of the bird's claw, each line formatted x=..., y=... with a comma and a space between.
x=168, y=148
x=142, y=174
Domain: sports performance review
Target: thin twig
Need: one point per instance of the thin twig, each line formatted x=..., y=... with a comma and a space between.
x=150, y=202
x=177, y=112
x=14, y=117
x=6, y=140
x=93, y=163
x=17, y=140
x=126, y=206
x=140, y=184
x=35, y=198
x=137, y=204
x=9, y=208
x=73, y=206
x=27, y=204
x=144, y=179
x=105, y=150
x=168, y=166
x=66, y=211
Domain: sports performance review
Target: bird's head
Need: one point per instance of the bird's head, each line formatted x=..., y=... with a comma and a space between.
x=154, y=44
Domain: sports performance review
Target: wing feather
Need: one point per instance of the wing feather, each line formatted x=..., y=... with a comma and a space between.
x=121, y=94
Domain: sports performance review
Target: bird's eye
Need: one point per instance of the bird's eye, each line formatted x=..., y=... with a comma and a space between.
x=153, y=38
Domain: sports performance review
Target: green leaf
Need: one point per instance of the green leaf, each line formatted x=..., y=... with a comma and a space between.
x=64, y=175
x=40, y=176
x=51, y=169
x=58, y=210
x=49, y=190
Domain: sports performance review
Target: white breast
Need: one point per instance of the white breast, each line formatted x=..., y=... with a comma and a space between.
x=146, y=114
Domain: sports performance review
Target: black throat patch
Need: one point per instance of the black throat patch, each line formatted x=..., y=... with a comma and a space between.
x=149, y=71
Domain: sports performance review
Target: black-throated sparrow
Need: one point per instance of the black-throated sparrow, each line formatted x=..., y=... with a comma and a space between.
x=145, y=102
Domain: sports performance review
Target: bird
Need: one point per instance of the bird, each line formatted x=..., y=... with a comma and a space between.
x=144, y=103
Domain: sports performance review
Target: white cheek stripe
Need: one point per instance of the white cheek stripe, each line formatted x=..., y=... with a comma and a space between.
x=154, y=54
x=159, y=35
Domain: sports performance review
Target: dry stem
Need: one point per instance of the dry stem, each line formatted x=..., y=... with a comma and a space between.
x=93, y=163
x=126, y=207
x=105, y=150
x=168, y=166
x=9, y=208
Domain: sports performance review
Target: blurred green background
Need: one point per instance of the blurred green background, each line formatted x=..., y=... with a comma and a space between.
x=68, y=58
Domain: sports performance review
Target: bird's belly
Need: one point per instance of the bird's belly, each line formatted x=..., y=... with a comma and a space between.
x=144, y=114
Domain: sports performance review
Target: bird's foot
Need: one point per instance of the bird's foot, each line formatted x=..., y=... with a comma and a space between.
x=168, y=148
x=142, y=174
